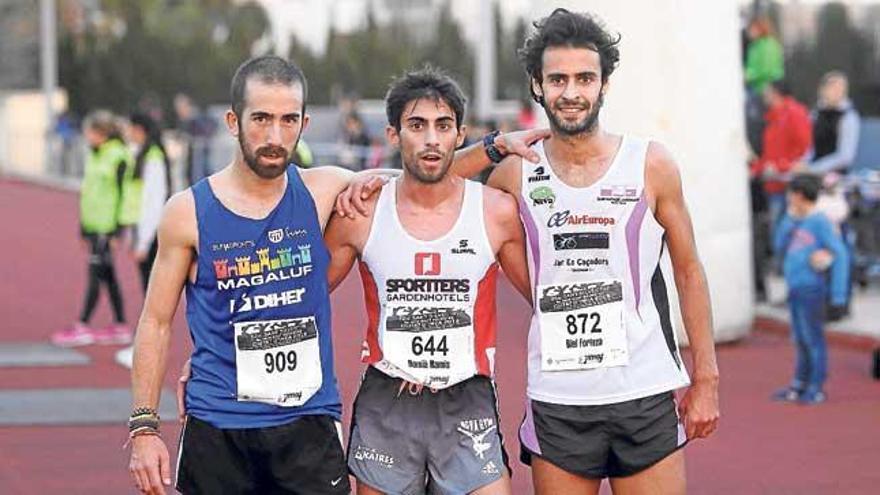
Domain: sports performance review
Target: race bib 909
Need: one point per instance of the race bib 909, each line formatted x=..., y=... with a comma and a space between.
x=278, y=361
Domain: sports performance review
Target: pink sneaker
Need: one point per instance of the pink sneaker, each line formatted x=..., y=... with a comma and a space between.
x=77, y=335
x=114, y=334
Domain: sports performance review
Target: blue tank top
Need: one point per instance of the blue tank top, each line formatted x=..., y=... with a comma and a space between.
x=259, y=314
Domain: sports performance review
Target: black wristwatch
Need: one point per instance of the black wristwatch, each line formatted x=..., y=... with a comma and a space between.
x=491, y=150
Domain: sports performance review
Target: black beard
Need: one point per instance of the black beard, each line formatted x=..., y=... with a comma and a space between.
x=252, y=158
x=586, y=126
x=417, y=174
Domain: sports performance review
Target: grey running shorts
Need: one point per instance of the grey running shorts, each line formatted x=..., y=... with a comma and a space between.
x=404, y=439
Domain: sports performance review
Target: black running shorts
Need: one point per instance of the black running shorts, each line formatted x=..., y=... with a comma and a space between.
x=301, y=457
x=603, y=441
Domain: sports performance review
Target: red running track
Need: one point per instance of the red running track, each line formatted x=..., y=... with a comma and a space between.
x=761, y=447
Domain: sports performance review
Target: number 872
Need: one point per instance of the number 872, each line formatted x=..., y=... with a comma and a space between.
x=572, y=323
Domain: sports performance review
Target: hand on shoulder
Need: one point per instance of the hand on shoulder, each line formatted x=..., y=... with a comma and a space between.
x=327, y=181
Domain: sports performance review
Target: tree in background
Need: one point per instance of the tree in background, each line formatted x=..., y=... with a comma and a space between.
x=510, y=80
x=838, y=45
x=449, y=51
x=19, y=45
x=159, y=48
x=126, y=51
x=364, y=61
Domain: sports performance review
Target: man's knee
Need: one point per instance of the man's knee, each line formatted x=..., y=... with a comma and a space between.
x=550, y=479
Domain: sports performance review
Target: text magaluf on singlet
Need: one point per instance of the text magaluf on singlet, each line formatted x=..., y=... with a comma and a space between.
x=431, y=304
x=601, y=331
x=259, y=314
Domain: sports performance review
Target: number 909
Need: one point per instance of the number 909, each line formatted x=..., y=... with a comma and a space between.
x=277, y=362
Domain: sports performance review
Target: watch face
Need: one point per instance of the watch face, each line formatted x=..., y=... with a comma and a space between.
x=493, y=153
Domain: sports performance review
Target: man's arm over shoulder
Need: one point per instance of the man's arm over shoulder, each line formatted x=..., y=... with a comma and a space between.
x=506, y=235
x=472, y=160
x=325, y=184
x=699, y=407
x=507, y=176
x=345, y=238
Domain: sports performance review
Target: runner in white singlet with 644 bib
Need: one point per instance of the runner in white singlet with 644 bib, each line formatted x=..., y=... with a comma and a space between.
x=425, y=418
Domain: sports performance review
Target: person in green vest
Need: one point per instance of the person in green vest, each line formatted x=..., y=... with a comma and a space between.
x=145, y=190
x=302, y=155
x=764, y=64
x=106, y=166
x=764, y=58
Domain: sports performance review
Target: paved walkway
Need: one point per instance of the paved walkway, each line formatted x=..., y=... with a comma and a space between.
x=863, y=321
x=761, y=448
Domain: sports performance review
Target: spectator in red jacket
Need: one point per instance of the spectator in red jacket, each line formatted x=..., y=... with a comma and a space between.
x=787, y=137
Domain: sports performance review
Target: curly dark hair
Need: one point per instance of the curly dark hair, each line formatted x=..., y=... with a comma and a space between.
x=427, y=82
x=570, y=29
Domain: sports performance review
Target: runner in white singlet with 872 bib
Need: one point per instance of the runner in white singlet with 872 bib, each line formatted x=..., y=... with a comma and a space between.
x=604, y=215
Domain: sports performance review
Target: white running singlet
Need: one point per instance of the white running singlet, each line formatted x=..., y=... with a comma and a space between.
x=430, y=304
x=601, y=331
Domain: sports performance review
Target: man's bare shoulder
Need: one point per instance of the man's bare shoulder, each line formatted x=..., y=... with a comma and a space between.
x=499, y=204
x=659, y=162
x=326, y=181
x=179, y=225
x=501, y=211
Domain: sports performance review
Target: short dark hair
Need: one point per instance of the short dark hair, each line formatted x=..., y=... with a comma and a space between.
x=427, y=82
x=807, y=185
x=268, y=69
x=565, y=28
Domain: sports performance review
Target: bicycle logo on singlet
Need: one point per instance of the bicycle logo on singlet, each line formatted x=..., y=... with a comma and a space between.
x=565, y=242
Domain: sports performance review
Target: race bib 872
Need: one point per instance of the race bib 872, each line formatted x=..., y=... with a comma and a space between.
x=582, y=325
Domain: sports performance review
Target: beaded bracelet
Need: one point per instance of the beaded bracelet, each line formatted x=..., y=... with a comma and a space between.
x=144, y=411
x=144, y=417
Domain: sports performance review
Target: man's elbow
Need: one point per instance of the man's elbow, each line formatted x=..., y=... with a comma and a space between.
x=689, y=274
x=154, y=325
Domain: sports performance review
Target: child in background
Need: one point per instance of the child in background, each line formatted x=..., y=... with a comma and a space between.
x=810, y=247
